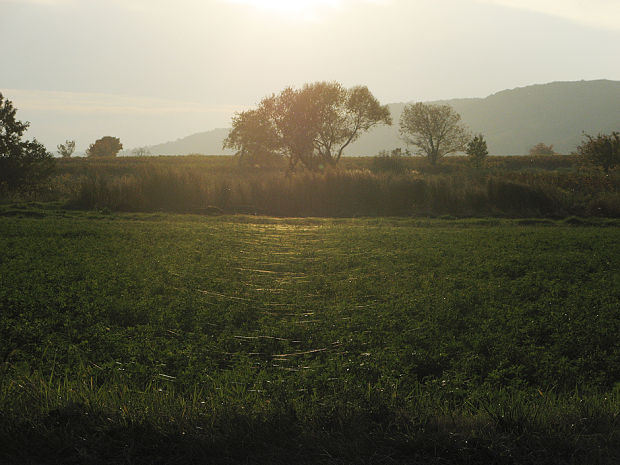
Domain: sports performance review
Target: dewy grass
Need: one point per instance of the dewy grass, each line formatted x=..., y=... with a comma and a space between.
x=153, y=338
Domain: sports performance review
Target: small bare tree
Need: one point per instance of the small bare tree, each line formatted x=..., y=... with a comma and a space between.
x=141, y=152
x=436, y=130
x=66, y=150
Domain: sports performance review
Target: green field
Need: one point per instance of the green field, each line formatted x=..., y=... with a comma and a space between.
x=155, y=338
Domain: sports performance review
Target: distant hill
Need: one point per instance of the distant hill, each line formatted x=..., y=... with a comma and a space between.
x=206, y=143
x=512, y=121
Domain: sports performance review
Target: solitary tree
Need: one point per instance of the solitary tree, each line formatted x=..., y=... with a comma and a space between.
x=24, y=164
x=312, y=125
x=436, y=130
x=602, y=150
x=542, y=149
x=141, y=152
x=105, y=147
x=66, y=150
x=477, y=150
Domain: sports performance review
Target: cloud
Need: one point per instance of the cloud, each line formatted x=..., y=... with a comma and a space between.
x=600, y=14
x=85, y=103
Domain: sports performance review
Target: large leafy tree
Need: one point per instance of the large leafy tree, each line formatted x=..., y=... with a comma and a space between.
x=107, y=146
x=436, y=130
x=24, y=164
x=312, y=125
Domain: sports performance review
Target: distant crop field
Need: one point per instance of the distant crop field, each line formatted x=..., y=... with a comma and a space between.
x=158, y=338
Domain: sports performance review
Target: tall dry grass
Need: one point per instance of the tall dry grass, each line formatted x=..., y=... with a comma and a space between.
x=551, y=186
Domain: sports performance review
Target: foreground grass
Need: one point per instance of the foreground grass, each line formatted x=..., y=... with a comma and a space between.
x=185, y=339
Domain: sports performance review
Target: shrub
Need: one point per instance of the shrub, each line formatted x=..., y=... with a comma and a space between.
x=542, y=149
x=477, y=151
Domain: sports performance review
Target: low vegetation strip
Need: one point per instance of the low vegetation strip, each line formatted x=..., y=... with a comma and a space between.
x=361, y=340
x=543, y=186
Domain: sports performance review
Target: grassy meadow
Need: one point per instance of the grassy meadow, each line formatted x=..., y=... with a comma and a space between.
x=137, y=338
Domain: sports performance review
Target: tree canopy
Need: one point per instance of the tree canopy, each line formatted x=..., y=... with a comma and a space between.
x=24, y=164
x=312, y=125
x=602, y=150
x=107, y=146
x=436, y=130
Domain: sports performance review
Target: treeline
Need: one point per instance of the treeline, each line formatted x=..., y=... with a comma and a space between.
x=289, y=163
x=549, y=186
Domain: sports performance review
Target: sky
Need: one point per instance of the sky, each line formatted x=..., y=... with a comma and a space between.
x=150, y=71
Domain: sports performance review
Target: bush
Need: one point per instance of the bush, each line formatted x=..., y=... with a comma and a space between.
x=602, y=150
x=477, y=151
x=542, y=149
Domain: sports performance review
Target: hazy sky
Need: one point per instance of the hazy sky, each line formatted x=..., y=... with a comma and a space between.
x=149, y=71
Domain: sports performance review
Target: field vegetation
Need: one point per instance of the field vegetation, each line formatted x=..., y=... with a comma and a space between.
x=542, y=186
x=159, y=338
x=470, y=317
